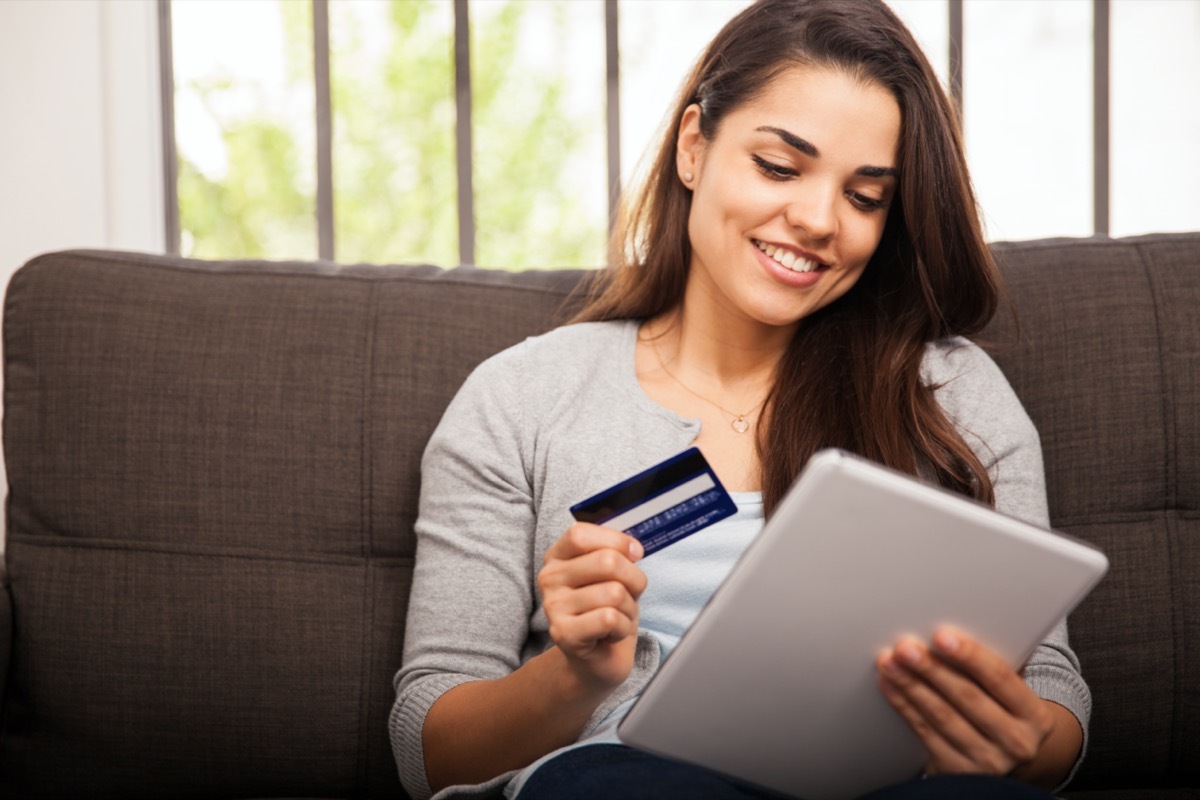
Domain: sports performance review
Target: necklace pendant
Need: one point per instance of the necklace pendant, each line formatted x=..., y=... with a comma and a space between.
x=740, y=424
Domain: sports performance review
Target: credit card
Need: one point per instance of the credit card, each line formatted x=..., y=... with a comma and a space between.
x=663, y=504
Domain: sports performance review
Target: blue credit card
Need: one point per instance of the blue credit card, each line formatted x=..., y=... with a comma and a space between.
x=663, y=504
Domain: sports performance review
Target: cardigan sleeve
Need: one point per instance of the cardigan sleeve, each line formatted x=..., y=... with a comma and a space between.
x=986, y=411
x=472, y=590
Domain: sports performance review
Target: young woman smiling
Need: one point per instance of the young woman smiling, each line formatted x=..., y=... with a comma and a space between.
x=799, y=271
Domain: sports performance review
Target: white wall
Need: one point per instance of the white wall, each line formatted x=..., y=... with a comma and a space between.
x=80, y=129
x=80, y=150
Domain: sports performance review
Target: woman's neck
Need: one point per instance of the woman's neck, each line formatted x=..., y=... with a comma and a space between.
x=728, y=350
x=735, y=362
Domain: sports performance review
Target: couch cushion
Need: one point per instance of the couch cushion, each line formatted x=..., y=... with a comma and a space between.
x=213, y=474
x=1108, y=365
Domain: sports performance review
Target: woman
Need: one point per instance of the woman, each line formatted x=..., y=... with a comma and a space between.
x=795, y=274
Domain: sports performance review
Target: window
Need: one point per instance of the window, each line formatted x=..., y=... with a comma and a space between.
x=247, y=141
x=495, y=131
x=391, y=72
x=653, y=66
x=244, y=118
x=538, y=132
x=1029, y=139
x=1155, y=115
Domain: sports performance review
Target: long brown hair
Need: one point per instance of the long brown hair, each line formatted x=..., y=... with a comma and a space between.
x=851, y=377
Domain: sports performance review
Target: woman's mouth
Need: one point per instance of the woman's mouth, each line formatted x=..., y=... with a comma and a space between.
x=787, y=258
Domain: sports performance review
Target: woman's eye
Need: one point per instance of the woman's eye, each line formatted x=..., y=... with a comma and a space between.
x=772, y=170
x=864, y=203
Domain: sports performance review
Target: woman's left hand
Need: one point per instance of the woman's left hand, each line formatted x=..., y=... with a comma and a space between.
x=970, y=709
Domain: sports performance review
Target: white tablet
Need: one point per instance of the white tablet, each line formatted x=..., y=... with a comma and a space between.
x=775, y=682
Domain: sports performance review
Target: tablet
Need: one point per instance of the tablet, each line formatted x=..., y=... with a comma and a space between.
x=775, y=682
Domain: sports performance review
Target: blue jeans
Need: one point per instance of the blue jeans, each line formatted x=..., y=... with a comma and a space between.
x=616, y=772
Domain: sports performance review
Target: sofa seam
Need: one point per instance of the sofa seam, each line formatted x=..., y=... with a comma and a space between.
x=1171, y=492
x=1124, y=517
x=36, y=540
x=366, y=431
x=1170, y=476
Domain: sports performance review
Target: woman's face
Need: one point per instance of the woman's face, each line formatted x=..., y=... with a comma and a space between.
x=790, y=197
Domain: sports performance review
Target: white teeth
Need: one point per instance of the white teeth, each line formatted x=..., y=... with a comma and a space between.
x=787, y=258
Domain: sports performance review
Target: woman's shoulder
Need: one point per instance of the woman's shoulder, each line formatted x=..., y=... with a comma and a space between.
x=560, y=344
x=567, y=355
x=510, y=395
x=964, y=376
x=974, y=392
x=971, y=387
x=954, y=358
x=577, y=338
x=977, y=397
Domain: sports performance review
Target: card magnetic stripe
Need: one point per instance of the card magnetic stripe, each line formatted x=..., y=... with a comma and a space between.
x=666, y=507
x=603, y=506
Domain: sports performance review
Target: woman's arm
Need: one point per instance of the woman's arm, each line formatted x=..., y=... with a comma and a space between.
x=508, y=632
x=1059, y=752
x=472, y=594
x=481, y=729
x=484, y=728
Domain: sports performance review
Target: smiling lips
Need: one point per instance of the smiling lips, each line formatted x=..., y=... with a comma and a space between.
x=787, y=258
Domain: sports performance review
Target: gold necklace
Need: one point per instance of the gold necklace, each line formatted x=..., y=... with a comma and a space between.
x=739, y=422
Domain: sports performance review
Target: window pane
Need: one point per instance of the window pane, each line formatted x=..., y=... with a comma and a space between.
x=391, y=67
x=244, y=128
x=1155, y=112
x=538, y=130
x=1027, y=94
x=929, y=21
x=660, y=42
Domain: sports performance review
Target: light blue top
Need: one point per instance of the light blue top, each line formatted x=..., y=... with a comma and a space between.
x=679, y=581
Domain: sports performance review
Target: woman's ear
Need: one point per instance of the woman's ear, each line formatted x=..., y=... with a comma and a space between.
x=689, y=147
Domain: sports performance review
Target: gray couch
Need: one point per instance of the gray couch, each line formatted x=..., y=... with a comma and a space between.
x=213, y=474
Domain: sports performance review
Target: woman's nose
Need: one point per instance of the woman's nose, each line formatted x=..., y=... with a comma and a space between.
x=812, y=210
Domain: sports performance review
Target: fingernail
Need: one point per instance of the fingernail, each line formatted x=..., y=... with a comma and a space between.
x=946, y=641
x=635, y=549
x=891, y=668
x=909, y=653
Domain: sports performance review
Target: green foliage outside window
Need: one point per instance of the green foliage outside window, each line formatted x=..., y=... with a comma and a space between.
x=394, y=162
x=539, y=188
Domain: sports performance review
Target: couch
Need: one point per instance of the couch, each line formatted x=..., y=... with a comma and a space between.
x=213, y=473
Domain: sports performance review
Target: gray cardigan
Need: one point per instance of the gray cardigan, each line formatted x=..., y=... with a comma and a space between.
x=561, y=416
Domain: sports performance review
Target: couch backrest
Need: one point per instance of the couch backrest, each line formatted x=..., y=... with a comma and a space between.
x=1108, y=366
x=213, y=477
x=214, y=471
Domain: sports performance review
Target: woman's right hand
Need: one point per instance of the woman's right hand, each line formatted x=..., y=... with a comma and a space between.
x=481, y=728
x=590, y=588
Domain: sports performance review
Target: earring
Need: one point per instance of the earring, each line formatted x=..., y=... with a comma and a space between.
x=687, y=177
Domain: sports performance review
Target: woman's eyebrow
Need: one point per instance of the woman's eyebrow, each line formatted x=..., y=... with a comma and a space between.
x=809, y=149
x=803, y=145
x=878, y=172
